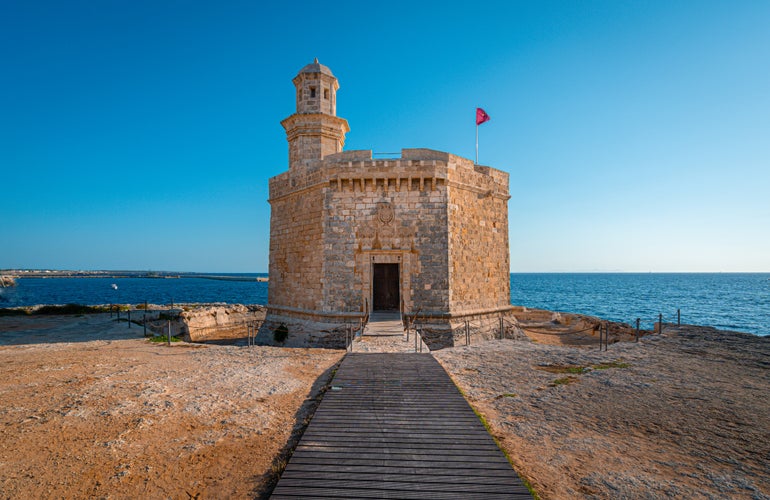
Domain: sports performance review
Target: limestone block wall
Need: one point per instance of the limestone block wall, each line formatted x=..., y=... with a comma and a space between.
x=296, y=252
x=385, y=211
x=442, y=219
x=478, y=237
x=316, y=93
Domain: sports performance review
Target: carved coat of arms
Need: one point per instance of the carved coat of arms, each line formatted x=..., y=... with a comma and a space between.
x=385, y=213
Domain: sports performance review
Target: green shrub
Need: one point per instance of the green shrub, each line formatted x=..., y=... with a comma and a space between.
x=281, y=333
x=611, y=364
x=573, y=369
x=564, y=381
x=164, y=338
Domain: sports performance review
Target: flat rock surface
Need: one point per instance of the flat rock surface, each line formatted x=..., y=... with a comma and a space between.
x=684, y=415
x=89, y=410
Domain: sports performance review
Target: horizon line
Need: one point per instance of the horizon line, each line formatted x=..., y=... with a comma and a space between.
x=151, y=271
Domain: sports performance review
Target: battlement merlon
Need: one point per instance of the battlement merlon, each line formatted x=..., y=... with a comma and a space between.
x=359, y=166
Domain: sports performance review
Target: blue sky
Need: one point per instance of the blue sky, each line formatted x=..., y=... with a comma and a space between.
x=141, y=134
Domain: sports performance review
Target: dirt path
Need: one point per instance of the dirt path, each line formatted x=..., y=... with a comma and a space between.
x=686, y=415
x=124, y=418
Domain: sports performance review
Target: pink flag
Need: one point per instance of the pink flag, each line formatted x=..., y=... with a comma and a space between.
x=481, y=116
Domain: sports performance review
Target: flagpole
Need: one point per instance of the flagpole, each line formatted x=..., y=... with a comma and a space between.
x=477, y=144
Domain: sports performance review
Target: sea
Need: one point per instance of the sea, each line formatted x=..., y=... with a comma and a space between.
x=730, y=301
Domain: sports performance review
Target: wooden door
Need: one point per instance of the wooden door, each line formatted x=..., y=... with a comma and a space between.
x=385, y=283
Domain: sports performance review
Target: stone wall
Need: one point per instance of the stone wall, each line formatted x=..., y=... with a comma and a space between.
x=296, y=249
x=219, y=322
x=478, y=238
x=386, y=211
x=373, y=211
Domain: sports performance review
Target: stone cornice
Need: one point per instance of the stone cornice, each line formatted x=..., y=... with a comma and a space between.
x=312, y=121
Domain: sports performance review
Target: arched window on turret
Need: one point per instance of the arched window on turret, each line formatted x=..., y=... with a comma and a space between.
x=326, y=93
x=312, y=92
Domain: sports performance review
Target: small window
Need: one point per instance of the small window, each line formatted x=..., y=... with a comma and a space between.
x=312, y=92
x=326, y=93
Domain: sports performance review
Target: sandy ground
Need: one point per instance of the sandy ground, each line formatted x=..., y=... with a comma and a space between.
x=683, y=415
x=90, y=409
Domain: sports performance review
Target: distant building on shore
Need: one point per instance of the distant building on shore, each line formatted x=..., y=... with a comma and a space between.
x=351, y=234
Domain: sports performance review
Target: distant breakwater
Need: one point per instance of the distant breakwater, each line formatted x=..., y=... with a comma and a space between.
x=262, y=279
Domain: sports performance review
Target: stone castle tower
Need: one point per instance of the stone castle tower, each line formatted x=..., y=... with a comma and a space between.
x=350, y=234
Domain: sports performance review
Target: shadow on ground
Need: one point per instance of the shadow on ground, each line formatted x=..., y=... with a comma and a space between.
x=269, y=480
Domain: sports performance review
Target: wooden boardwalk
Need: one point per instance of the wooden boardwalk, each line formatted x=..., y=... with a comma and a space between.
x=395, y=426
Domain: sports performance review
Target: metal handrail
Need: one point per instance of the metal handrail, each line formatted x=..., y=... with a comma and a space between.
x=418, y=342
x=407, y=321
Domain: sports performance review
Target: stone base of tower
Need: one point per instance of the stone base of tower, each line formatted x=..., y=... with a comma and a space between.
x=307, y=328
x=439, y=331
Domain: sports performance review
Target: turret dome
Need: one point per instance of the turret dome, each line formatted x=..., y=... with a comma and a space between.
x=316, y=67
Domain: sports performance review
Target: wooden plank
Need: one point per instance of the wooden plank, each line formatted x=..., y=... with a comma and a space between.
x=317, y=493
x=354, y=469
x=405, y=476
x=398, y=454
x=396, y=427
x=424, y=486
x=438, y=463
x=308, y=444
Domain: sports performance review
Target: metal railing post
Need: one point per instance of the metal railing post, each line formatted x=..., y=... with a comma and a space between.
x=601, y=332
x=638, y=320
x=144, y=318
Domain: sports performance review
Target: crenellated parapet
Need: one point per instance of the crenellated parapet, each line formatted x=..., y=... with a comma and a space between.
x=417, y=169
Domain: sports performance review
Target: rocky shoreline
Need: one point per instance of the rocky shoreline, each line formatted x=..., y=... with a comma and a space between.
x=7, y=281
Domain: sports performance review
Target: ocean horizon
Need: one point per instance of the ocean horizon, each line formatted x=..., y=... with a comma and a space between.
x=729, y=301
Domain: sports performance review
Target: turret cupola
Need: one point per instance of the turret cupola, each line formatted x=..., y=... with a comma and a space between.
x=316, y=90
x=314, y=131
